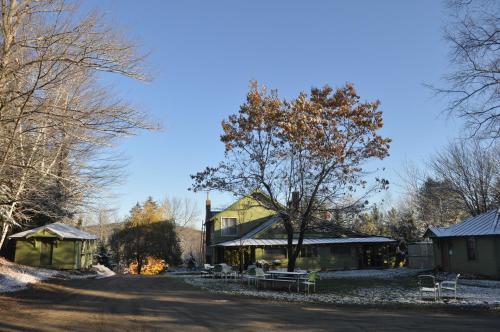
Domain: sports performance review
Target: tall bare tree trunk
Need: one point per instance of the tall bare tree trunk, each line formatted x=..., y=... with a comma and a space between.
x=5, y=230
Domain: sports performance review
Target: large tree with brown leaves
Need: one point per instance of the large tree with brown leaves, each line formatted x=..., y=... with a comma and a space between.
x=306, y=155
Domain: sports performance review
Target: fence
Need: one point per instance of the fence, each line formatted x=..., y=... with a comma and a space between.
x=420, y=255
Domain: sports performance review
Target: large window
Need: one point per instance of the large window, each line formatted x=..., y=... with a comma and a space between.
x=471, y=248
x=229, y=226
x=274, y=252
x=309, y=251
x=341, y=250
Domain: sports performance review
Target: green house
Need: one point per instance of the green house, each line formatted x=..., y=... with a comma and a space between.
x=472, y=246
x=57, y=246
x=247, y=232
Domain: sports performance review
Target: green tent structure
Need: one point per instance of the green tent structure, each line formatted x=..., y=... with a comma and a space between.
x=57, y=246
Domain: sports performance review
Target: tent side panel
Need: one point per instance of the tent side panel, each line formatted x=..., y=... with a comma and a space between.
x=27, y=252
x=63, y=255
x=87, y=253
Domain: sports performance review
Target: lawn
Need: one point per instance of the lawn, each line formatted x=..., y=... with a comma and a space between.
x=365, y=288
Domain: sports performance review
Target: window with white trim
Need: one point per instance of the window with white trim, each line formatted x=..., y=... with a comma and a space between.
x=229, y=226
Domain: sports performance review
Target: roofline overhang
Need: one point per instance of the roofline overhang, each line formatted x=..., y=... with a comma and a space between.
x=221, y=244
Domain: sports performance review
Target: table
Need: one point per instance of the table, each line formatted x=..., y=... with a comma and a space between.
x=295, y=276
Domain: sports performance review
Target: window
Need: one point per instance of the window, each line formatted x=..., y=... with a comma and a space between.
x=274, y=252
x=309, y=251
x=340, y=250
x=471, y=248
x=228, y=226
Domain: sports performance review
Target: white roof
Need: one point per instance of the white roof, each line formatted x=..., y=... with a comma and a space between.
x=310, y=241
x=63, y=231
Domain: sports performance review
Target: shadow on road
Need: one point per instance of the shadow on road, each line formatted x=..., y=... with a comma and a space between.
x=127, y=303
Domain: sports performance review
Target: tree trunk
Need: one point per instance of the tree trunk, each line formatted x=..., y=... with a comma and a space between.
x=290, y=252
x=139, y=264
x=291, y=259
x=5, y=230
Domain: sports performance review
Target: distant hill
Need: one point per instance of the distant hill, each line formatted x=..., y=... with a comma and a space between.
x=189, y=237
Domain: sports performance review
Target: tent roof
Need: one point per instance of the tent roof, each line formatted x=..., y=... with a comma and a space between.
x=61, y=230
x=484, y=224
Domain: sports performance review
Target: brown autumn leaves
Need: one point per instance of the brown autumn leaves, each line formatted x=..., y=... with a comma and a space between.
x=329, y=124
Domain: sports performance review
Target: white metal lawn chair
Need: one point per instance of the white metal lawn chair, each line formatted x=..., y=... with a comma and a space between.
x=311, y=281
x=218, y=271
x=249, y=274
x=449, y=285
x=259, y=275
x=427, y=284
x=207, y=270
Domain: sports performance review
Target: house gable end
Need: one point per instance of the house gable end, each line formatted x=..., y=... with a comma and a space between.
x=249, y=214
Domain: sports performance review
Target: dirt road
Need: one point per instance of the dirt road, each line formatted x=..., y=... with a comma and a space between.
x=163, y=304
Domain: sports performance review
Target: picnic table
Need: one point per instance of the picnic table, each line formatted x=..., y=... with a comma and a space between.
x=286, y=276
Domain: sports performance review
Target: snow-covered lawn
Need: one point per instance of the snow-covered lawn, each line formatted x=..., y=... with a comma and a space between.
x=364, y=287
x=14, y=277
x=376, y=274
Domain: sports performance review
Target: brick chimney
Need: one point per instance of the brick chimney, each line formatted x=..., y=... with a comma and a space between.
x=208, y=208
x=328, y=215
x=208, y=230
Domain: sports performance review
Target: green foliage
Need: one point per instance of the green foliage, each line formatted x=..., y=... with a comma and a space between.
x=147, y=233
x=439, y=204
x=398, y=224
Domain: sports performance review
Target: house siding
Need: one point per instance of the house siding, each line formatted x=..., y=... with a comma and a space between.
x=66, y=254
x=249, y=214
x=497, y=255
x=324, y=261
x=487, y=255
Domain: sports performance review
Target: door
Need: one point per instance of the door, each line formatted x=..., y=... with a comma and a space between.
x=46, y=249
x=445, y=255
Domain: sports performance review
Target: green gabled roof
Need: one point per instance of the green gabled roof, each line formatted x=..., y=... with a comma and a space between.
x=271, y=220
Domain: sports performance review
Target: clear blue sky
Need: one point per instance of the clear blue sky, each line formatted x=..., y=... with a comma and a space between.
x=204, y=53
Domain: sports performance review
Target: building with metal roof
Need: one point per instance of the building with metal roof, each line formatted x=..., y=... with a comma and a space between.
x=472, y=246
x=248, y=232
x=55, y=245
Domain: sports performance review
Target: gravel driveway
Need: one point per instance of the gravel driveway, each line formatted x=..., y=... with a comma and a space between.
x=130, y=303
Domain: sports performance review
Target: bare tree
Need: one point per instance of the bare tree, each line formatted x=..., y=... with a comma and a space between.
x=56, y=120
x=474, y=85
x=183, y=211
x=471, y=171
x=301, y=158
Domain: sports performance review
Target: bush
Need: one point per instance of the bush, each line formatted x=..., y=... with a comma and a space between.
x=150, y=266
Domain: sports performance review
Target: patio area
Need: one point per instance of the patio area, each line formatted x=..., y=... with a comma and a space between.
x=362, y=287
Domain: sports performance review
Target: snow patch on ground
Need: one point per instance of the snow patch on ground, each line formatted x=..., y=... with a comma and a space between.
x=14, y=277
x=370, y=295
x=376, y=274
x=102, y=271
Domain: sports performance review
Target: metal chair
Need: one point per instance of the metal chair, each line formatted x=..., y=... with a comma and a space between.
x=250, y=274
x=206, y=271
x=218, y=271
x=259, y=275
x=311, y=280
x=450, y=285
x=427, y=283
